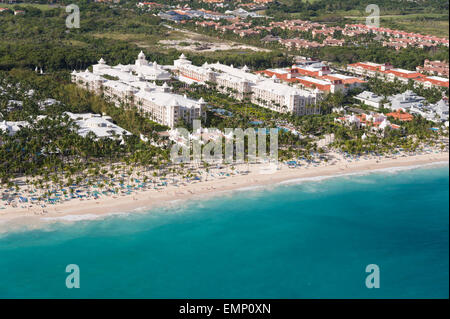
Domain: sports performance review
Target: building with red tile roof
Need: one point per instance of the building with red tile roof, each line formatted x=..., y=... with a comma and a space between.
x=432, y=81
x=315, y=77
x=402, y=75
x=439, y=68
x=368, y=68
x=402, y=116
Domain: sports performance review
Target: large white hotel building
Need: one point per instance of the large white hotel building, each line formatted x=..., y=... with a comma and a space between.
x=127, y=85
x=240, y=83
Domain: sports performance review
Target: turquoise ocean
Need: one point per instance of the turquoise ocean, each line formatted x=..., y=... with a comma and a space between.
x=306, y=239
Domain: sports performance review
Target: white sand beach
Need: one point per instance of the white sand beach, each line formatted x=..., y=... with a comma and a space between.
x=253, y=175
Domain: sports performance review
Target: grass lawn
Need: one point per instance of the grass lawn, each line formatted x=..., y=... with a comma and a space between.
x=420, y=25
x=43, y=7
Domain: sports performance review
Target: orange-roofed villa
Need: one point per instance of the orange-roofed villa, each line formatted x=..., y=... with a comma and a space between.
x=402, y=116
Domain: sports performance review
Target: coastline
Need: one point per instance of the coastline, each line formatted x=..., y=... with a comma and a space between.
x=149, y=199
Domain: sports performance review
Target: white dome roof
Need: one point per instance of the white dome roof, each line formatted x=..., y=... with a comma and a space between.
x=141, y=55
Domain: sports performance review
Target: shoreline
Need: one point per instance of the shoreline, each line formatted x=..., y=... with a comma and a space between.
x=150, y=199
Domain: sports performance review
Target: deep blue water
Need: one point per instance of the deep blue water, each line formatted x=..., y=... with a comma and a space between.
x=310, y=240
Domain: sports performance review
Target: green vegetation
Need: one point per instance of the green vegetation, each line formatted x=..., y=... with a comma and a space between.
x=387, y=7
x=40, y=38
x=51, y=147
x=434, y=24
x=426, y=17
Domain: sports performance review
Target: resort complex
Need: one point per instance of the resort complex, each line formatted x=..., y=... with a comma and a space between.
x=387, y=72
x=316, y=77
x=242, y=83
x=207, y=149
x=126, y=88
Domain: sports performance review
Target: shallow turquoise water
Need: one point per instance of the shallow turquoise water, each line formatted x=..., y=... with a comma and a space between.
x=310, y=240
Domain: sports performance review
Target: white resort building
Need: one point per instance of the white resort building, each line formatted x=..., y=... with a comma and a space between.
x=124, y=87
x=438, y=112
x=100, y=126
x=166, y=108
x=141, y=67
x=404, y=101
x=241, y=83
x=370, y=99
